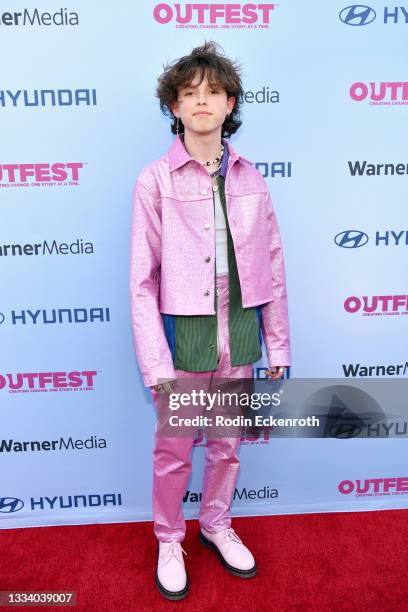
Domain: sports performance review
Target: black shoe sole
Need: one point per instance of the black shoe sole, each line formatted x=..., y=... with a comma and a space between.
x=172, y=595
x=232, y=570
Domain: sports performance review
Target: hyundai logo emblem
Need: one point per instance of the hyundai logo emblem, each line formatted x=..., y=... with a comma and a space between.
x=10, y=504
x=351, y=239
x=357, y=15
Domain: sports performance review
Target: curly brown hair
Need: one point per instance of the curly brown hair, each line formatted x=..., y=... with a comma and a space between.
x=220, y=71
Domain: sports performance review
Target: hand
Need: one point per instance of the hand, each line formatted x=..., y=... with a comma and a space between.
x=276, y=372
x=166, y=387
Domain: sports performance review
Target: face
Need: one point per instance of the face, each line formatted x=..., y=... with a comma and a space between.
x=202, y=108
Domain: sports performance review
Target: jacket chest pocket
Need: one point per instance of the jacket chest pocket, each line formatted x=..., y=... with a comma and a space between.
x=248, y=212
x=184, y=221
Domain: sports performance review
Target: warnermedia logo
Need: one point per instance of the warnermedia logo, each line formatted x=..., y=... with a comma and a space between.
x=63, y=17
x=361, y=370
x=78, y=247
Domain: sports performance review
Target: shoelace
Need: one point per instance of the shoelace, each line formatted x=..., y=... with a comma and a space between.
x=230, y=534
x=174, y=551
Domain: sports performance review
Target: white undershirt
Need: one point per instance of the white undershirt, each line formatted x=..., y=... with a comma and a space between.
x=221, y=251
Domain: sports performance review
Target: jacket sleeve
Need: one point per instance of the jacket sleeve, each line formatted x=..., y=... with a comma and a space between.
x=275, y=320
x=152, y=349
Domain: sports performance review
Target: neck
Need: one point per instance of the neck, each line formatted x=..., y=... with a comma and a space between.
x=203, y=147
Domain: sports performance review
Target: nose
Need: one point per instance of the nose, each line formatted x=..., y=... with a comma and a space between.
x=201, y=98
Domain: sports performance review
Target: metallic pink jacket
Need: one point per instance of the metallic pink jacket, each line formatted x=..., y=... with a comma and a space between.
x=172, y=236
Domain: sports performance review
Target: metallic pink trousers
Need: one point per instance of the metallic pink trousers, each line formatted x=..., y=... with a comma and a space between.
x=172, y=456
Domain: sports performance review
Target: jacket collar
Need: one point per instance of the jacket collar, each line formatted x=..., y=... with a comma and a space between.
x=178, y=154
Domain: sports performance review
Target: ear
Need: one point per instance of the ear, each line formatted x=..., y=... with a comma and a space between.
x=230, y=103
x=174, y=108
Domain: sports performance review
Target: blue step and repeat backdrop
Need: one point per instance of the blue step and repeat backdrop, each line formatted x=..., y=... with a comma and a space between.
x=325, y=122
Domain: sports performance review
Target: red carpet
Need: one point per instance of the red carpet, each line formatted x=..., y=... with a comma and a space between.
x=311, y=562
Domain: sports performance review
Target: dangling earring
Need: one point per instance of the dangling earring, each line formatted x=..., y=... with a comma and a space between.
x=177, y=126
x=227, y=115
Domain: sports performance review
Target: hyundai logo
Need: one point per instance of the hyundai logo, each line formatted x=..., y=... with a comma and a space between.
x=357, y=15
x=351, y=239
x=10, y=504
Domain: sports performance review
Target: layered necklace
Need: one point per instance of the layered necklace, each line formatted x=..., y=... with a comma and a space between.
x=218, y=160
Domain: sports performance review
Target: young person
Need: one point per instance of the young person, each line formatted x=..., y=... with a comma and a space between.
x=207, y=283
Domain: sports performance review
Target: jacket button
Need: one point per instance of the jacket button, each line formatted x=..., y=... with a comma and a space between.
x=207, y=259
x=203, y=192
x=206, y=292
x=207, y=226
x=211, y=346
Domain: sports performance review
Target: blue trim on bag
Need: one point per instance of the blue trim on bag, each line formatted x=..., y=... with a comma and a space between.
x=169, y=322
x=258, y=310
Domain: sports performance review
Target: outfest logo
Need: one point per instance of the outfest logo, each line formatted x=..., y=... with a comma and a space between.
x=40, y=174
x=370, y=487
x=377, y=305
x=28, y=382
x=387, y=93
x=213, y=15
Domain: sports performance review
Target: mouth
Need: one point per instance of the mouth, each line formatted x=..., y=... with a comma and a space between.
x=202, y=113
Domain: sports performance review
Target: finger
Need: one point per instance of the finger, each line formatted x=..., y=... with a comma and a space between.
x=276, y=372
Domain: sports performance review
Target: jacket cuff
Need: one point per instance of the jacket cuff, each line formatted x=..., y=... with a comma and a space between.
x=162, y=371
x=279, y=358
